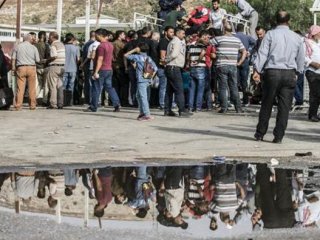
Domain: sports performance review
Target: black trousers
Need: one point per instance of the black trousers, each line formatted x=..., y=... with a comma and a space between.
x=174, y=86
x=120, y=82
x=314, y=94
x=278, y=84
x=275, y=199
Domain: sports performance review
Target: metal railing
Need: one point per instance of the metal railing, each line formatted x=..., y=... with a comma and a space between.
x=142, y=20
x=234, y=21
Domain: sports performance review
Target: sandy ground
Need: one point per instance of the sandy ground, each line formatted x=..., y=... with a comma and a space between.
x=70, y=136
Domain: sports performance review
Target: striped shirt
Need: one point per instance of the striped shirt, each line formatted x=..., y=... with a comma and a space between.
x=228, y=48
x=193, y=191
x=226, y=197
x=194, y=54
x=59, y=52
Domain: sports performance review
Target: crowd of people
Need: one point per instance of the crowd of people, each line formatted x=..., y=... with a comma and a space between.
x=198, y=61
x=224, y=193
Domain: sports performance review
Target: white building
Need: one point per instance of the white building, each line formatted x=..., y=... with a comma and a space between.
x=104, y=20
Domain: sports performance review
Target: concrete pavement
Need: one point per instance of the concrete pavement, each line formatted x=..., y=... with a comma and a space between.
x=71, y=136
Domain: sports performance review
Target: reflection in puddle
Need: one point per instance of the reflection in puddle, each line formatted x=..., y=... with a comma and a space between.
x=220, y=200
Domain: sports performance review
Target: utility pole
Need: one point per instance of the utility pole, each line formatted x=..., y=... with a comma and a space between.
x=59, y=17
x=99, y=13
x=19, y=20
x=88, y=24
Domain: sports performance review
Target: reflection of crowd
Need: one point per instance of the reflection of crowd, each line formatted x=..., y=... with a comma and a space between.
x=225, y=193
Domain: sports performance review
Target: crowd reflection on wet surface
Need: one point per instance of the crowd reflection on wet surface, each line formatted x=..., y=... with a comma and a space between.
x=218, y=198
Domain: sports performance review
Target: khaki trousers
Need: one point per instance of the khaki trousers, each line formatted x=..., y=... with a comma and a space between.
x=24, y=74
x=55, y=84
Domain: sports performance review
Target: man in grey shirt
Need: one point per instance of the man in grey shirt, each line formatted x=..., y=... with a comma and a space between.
x=70, y=68
x=24, y=59
x=247, y=12
x=280, y=57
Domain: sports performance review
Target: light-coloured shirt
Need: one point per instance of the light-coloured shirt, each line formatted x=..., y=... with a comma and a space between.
x=72, y=57
x=217, y=17
x=176, y=52
x=315, y=56
x=58, y=51
x=245, y=9
x=92, y=48
x=26, y=54
x=281, y=48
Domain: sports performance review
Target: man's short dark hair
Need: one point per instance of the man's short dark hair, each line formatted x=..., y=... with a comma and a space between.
x=145, y=30
x=42, y=34
x=203, y=33
x=178, y=29
x=282, y=17
x=33, y=33
x=240, y=27
x=218, y=1
x=131, y=33
x=143, y=47
x=68, y=192
x=92, y=33
x=167, y=28
x=69, y=37
x=98, y=213
x=259, y=28
x=118, y=33
x=101, y=31
x=142, y=213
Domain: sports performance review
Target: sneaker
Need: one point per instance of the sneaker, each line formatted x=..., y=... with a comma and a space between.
x=146, y=118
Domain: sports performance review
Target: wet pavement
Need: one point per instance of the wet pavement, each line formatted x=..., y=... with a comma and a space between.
x=217, y=199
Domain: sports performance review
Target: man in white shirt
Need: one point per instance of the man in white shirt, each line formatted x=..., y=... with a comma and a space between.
x=216, y=17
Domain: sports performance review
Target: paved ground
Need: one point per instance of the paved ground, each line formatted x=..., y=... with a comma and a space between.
x=50, y=137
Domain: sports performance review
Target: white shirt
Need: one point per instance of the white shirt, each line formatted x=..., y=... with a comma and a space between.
x=93, y=47
x=315, y=56
x=217, y=17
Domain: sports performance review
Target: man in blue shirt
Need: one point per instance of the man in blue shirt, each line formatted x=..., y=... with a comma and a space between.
x=243, y=70
x=280, y=57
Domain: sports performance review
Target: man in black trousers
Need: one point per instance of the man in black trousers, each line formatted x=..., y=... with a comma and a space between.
x=280, y=58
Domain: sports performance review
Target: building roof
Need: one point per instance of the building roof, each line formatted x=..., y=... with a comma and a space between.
x=315, y=6
x=94, y=16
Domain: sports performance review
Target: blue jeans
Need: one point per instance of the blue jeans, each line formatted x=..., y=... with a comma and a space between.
x=105, y=80
x=162, y=86
x=142, y=97
x=227, y=77
x=208, y=89
x=243, y=75
x=68, y=80
x=298, y=94
x=197, y=172
x=198, y=80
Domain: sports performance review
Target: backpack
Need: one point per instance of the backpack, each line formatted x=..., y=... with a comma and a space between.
x=148, y=70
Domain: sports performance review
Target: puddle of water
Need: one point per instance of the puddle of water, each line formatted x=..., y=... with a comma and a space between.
x=215, y=199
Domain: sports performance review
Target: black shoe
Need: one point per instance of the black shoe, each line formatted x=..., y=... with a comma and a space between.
x=258, y=137
x=277, y=141
x=116, y=109
x=170, y=114
x=161, y=108
x=185, y=114
x=60, y=108
x=222, y=111
x=51, y=107
x=314, y=119
x=239, y=110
